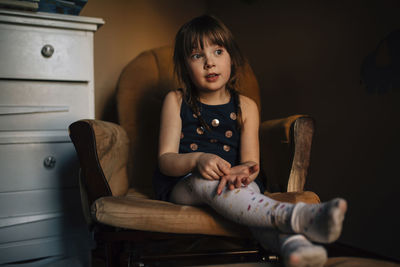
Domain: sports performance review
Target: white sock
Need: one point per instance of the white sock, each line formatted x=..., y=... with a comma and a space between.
x=297, y=251
x=319, y=222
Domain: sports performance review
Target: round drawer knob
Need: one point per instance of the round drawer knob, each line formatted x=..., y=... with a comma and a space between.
x=47, y=50
x=49, y=162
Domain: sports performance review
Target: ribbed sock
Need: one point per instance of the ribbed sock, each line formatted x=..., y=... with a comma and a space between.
x=297, y=251
x=319, y=222
x=294, y=250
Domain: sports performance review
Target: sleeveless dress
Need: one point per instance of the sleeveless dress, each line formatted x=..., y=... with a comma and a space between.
x=223, y=140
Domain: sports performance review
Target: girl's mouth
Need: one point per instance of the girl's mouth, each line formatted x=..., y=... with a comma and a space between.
x=211, y=77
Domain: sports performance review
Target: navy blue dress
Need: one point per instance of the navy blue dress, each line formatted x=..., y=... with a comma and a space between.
x=223, y=139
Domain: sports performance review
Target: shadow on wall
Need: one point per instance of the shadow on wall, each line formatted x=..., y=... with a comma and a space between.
x=109, y=112
x=380, y=71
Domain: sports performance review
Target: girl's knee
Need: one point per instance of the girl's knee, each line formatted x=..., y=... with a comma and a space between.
x=254, y=187
x=199, y=185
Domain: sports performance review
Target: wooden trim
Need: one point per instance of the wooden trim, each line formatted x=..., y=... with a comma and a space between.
x=303, y=132
x=21, y=109
x=84, y=140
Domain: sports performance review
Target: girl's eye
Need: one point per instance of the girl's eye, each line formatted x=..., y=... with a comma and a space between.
x=196, y=56
x=218, y=52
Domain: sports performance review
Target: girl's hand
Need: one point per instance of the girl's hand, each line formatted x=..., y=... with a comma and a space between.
x=212, y=167
x=238, y=176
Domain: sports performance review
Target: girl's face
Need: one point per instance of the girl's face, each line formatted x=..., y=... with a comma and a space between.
x=210, y=67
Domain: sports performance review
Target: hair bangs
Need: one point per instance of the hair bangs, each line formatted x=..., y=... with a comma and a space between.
x=197, y=36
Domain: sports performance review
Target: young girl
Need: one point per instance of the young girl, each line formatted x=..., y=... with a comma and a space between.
x=209, y=150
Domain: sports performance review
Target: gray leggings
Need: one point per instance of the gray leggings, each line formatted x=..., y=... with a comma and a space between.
x=244, y=205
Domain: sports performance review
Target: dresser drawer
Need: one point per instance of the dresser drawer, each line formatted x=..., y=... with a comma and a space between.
x=29, y=206
x=52, y=226
x=23, y=166
x=32, y=253
x=40, y=105
x=29, y=220
x=49, y=251
x=26, y=53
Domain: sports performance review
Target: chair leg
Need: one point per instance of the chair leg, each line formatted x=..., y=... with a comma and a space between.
x=112, y=251
x=139, y=249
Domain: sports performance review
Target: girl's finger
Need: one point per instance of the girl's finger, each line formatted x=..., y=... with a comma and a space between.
x=231, y=187
x=206, y=175
x=246, y=181
x=238, y=183
x=224, y=169
x=224, y=166
x=221, y=186
x=214, y=175
x=218, y=172
x=254, y=168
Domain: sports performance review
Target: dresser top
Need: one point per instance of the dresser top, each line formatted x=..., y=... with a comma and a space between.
x=50, y=20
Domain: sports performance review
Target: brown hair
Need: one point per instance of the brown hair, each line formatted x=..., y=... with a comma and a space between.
x=189, y=37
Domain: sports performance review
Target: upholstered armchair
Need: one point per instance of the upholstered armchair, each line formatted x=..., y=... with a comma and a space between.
x=117, y=162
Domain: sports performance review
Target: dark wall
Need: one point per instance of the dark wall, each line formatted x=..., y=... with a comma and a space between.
x=307, y=56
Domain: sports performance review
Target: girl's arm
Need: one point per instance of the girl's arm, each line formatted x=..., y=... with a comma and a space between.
x=172, y=163
x=249, y=141
x=248, y=169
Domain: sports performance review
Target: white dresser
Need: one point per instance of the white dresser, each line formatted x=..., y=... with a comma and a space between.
x=46, y=83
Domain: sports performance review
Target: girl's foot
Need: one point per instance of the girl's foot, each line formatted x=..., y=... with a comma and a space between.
x=297, y=251
x=320, y=222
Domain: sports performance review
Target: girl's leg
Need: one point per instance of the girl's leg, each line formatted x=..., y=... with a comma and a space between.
x=319, y=222
x=295, y=250
x=182, y=194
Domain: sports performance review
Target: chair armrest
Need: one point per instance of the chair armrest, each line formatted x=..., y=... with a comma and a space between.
x=295, y=197
x=285, y=152
x=103, y=150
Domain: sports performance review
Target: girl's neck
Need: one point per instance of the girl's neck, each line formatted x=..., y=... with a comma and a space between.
x=214, y=98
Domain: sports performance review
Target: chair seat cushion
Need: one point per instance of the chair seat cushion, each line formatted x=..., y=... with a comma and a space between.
x=137, y=211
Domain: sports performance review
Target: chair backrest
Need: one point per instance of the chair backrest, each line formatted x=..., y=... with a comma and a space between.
x=141, y=89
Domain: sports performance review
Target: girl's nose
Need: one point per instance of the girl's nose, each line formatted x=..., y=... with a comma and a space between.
x=209, y=63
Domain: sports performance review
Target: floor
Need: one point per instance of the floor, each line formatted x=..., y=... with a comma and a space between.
x=203, y=252
x=253, y=264
x=248, y=259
